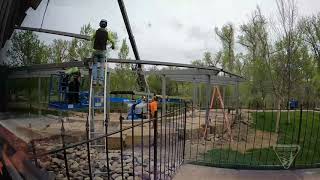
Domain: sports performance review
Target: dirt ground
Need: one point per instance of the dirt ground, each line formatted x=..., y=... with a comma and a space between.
x=244, y=137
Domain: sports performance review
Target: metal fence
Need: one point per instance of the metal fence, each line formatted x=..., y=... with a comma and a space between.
x=156, y=148
x=139, y=149
x=254, y=140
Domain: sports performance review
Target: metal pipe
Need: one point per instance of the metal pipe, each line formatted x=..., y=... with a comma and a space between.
x=60, y=33
x=25, y=70
x=128, y=27
x=141, y=80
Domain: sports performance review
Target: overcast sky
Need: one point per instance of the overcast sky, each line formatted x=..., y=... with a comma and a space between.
x=165, y=30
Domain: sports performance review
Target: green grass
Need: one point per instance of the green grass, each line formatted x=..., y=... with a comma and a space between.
x=288, y=134
x=254, y=157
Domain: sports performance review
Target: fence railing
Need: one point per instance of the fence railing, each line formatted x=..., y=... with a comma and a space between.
x=245, y=138
x=142, y=149
x=259, y=139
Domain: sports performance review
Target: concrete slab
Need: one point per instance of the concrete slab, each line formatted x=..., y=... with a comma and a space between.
x=190, y=172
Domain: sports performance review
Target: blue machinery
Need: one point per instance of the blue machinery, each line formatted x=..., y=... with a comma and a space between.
x=59, y=91
x=58, y=98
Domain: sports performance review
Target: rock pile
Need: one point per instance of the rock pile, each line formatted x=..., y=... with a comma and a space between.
x=79, y=169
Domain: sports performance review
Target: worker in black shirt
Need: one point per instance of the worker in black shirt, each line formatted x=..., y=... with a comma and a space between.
x=100, y=41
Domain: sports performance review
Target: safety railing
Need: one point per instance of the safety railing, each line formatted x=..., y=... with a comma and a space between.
x=252, y=138
x=138, y=149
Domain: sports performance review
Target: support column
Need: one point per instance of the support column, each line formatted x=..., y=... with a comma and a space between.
x=237, y=98
x=208, y=92
x=39, y=96
x=163, y=105
x=195, y=94
x=108, y=96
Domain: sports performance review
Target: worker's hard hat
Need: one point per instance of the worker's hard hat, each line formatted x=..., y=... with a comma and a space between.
x=103, y=23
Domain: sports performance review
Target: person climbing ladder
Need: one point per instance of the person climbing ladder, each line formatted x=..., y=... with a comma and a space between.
x=97, y=99
x=100, y=41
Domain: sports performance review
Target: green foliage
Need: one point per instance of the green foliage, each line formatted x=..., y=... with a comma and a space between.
x=124, y=50
x=208, y=59
x=226, y=35
x=309, y=27
x=123, y=78
x=59, y=51
x=76, y=49
x=27, y=49
x=85, y=47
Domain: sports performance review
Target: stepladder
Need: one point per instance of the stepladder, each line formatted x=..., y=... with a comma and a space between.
x=226, y=118
x=99, y=106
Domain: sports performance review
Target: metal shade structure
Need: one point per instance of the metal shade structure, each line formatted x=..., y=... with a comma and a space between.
x=211, y=76
x=45, y=70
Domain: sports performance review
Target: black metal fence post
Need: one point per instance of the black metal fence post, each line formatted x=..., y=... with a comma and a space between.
x=184, y=131
x=132, y=142
x=88, y=149
x=34, y=153
x=64, y=150
x=107, y=147
x=142, y=142
x=155, y=145
x=121, y=142
x=160, y=165
x=299, y=132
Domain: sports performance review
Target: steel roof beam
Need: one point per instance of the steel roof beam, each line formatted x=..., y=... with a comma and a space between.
x=185, y=72
x=80, y=64
x=60, y=33
x=205, y=81
x=205, y=77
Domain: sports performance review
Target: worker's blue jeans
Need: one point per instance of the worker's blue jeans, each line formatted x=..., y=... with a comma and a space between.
x=99, y=58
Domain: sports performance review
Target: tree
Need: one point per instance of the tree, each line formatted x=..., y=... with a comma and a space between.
x=208, y=59
x=85, y=49
x=73, y=52
x=226, y=36
x=310, y=29
x=123, y=54
x=27, y=49
x=59, y=51
x=287, y=16
x=254, y=38
x=124, y=50
x=123, y=77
